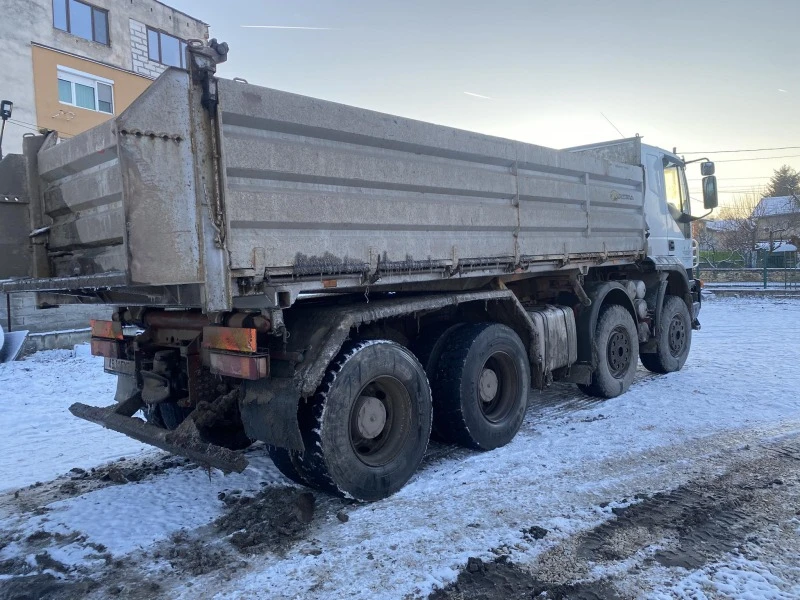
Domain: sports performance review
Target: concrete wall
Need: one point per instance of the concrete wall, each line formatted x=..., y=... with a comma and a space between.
x=32, y=21
x=25, y=315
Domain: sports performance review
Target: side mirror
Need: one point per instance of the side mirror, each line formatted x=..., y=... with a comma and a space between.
x=710, y=194
x=707, y=168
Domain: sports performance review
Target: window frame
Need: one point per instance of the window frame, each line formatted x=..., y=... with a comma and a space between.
x=92, y=10
x=182, y=44
x=71, y=75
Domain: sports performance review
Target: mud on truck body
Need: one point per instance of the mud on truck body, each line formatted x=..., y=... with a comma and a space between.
x=338, y=283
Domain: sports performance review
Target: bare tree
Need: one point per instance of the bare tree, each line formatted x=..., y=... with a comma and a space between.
x=748, y=223
x=739, y=225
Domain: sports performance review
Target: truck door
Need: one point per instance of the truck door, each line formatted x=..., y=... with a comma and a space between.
x=655, y=209
x=679, y=233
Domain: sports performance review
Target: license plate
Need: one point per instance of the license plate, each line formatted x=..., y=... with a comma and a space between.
x=120, y=366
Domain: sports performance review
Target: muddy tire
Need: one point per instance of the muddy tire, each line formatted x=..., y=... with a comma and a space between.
x=166, y=415
x=367, y=428
x=172, y=415
x=481, y=387
x=675, y=339
x=284, y=461
x=428, y=349
x=616, y=346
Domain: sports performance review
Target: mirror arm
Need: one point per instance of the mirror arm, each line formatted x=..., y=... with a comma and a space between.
x=688, y=162
x=684, y=218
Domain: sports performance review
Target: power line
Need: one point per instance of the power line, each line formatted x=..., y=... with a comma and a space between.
x=733, y=178
x=748, y=150
x=37, y=128
x=758, y=158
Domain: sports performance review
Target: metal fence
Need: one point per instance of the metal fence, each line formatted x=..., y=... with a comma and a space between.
x=755, y=278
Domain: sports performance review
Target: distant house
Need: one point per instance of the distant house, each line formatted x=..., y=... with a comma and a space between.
x=778, y=229
x=710, y=232
x=778, y=219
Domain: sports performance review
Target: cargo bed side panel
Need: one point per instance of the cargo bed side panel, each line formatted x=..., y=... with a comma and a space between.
x=315, y=187
x=82, y=195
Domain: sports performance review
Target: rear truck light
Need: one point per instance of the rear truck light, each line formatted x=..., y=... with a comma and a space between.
x=230, y=339
x=233, y=352
x=107, y=339
x=701, y=284
x=110, y=330
x=106, y=348
x=240, y=366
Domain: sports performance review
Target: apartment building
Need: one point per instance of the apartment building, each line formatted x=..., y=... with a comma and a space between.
x=72, y=64
x=68, y=66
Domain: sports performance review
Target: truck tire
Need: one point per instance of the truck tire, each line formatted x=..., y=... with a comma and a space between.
x=284, y=461
x=675, y=338
x=428, y=349
x=165, y=415
x=367, y=428
x=481, y=387
x=616, y=346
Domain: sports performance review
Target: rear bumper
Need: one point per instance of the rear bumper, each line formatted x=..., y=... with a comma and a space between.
x=184, y=441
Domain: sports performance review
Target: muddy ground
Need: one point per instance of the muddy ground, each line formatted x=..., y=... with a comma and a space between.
x=750, y=509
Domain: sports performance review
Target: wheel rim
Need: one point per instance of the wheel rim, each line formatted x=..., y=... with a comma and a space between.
x=498, y=387
x=380, y=421
x=677, y=336
x=619, y=352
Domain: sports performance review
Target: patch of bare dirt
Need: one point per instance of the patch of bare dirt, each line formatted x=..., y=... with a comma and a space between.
x=688, y=528
x=81, y=481
x=502, y=579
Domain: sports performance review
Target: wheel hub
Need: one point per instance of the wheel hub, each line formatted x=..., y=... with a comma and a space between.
x=619, y=352
x=488, y=385
x=371, y=417
x=677, y=336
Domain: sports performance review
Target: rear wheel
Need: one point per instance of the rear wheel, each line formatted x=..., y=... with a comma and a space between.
x=166, y=415
x=428, y=349
x=482, y=386
x=366, y=430
x=675, y=338
x=616, y=346
x=284, y=461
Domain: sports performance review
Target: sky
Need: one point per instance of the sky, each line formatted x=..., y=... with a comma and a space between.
x=696, y=76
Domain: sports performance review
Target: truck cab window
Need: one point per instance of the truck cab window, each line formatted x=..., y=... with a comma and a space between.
x=674, y=190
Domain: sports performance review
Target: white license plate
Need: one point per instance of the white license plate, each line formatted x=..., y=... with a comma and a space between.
x=120, y=366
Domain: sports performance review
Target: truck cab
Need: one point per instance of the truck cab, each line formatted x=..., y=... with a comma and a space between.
x=667, y=207
x=667, y=202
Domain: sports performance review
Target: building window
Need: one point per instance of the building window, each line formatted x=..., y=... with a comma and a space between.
x=166, y=49
x=85, y=91
x=81, y=19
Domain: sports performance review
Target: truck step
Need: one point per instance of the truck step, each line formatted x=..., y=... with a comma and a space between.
x=184, y=441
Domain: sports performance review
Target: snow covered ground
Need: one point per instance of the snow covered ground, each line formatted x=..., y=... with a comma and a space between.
x=41, y=439
x=575, y=467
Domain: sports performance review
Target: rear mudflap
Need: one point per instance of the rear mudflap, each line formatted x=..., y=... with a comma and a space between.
x=184, y=441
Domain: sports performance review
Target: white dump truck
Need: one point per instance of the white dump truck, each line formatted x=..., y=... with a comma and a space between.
x=338, y=283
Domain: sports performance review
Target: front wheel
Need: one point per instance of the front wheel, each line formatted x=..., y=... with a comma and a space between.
x=366, y=430
x=616, y=346
x=674, y=340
